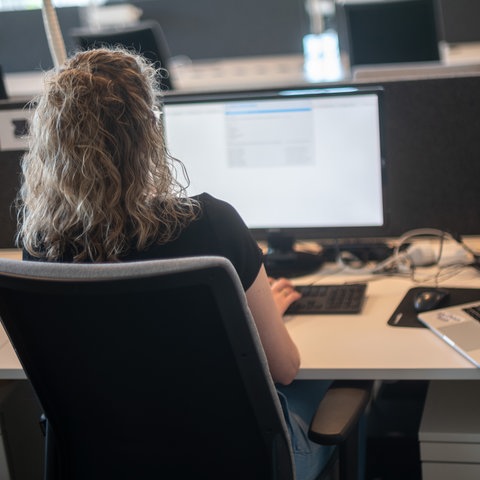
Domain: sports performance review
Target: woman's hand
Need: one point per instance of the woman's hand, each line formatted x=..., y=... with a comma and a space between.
x=284, y=293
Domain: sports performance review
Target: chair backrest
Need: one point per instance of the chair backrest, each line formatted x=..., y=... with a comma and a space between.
x=146, y=38
x=146, y=369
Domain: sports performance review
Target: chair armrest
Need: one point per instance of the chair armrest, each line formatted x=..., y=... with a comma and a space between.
x=339, y=411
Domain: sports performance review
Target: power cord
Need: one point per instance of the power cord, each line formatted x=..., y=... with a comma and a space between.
x=410, y=252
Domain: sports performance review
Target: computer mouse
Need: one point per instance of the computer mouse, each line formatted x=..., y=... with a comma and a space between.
x=429, y=299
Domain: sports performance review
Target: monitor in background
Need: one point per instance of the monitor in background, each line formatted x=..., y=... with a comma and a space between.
x=397, y=31
x=296, y=164
x=146, y=38
x=23, y=42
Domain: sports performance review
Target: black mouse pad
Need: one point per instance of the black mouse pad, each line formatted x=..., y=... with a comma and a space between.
x=406, y=316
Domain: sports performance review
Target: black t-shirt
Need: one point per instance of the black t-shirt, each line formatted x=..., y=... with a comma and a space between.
x=219, y=231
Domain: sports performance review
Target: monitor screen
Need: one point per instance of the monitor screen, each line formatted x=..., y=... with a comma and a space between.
x=397, y=31
x=296, y=164
x=307, y=163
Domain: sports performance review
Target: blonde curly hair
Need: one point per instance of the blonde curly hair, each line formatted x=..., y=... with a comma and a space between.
x=97, y=179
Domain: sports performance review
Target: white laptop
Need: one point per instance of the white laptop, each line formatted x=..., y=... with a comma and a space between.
x=459, y=326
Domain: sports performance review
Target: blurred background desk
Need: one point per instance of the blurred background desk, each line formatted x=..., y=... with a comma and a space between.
x=264, y=72
x=220, y=44
x=240, y=73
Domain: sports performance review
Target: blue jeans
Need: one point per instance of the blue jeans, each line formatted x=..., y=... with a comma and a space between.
x=299, y=402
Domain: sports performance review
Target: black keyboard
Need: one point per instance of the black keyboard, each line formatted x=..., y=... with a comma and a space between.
x=474, y=312
x=343, y=298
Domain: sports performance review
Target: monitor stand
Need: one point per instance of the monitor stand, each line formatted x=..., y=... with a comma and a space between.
x=281, y=260
x=364, y=250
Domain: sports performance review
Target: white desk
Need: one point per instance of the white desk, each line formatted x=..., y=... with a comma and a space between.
x=365, y=346
x=10, y=367
x=352, y=346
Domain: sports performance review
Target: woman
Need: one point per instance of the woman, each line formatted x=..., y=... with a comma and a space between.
x=99, y=186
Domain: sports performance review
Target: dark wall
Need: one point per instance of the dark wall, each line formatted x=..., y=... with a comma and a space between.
x=432, y=140
x=23, y=42
x=460, y=20
x=9, y=183
x=13, y=125
x=195, y=28
x=229, y=28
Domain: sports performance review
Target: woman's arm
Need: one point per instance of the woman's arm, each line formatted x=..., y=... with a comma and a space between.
x=268, y=301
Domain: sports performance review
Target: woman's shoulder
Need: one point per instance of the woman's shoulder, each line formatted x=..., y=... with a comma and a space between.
x=208, y=200
x=231, y=236
x=216, y=208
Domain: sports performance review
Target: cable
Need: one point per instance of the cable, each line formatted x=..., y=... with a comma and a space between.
x=418, y=254
x=460, y=241
x=421, y=232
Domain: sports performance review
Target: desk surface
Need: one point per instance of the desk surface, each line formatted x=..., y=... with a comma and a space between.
x=352, y=346
x=10, y=367
x=365, y=346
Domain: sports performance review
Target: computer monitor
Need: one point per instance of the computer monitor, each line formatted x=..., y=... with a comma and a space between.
x=296, y=164
x=146, y=38
x=395, y=31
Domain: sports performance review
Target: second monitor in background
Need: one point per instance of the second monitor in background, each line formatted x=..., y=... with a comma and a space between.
x=145, y=37
x=296, y=164
x=397, y=31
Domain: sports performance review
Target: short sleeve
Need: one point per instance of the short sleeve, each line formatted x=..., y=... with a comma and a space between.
x=234, y=239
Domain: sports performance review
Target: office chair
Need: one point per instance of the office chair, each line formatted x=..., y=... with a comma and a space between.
x=146, y=38
x=153, y=370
